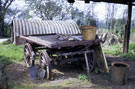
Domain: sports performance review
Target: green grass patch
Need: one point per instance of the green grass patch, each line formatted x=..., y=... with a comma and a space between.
x=117, y=50
x=10, y=52
x=113, y=50
x=131, y=54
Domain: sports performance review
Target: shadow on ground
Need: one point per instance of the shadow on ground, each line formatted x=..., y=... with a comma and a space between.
x=65, y=77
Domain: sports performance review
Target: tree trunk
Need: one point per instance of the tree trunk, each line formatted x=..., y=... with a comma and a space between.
x=2, y=28
x=112, y=18
x=2, y=25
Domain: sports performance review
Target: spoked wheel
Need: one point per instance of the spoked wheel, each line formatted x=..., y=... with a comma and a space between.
x=92, y=61
x=28, y=55
x=45, y=64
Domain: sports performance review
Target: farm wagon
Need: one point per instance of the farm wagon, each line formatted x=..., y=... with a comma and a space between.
x=40, y=38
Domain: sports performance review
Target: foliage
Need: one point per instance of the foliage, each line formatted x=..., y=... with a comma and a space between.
x=45, y=9
x=117, y=50
x=96, y=70
x=4, y=5
x=7, y=30
x=83, y=77
x=131, y=54
x=10, y=52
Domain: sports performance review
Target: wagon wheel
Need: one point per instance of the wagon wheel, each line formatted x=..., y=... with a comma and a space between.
x=28, y=55
x=45, y=63
x=92, y=61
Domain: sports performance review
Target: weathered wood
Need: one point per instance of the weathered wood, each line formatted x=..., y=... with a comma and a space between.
x=87, y=64
x=125, y=2
x=101, y=59
x=127, y=31
x=125, y=39
x=51, y=41
x=74, y=53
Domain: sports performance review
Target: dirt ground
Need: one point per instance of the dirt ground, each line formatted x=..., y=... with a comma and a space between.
x=65, y=77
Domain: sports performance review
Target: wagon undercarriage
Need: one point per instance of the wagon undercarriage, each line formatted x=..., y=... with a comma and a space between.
x=60, y=54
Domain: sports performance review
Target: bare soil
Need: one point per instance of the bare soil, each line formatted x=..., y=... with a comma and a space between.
x=65, y=77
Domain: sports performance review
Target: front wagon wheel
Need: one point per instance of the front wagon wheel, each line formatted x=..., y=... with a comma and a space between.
x=45, y=63
x=28, y=55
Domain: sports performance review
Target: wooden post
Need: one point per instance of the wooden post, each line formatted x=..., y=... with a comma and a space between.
x=125, y=39
x=87, y=64
x=127, y=36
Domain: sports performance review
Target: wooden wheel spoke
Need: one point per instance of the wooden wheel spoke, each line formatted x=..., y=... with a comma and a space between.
x=27, y=52
x=45, y=63
x=27, y=55
x=91, y=62
x=43, y=60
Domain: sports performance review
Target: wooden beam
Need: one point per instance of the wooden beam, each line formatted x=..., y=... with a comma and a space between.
x=127, y=30
x=71, y=1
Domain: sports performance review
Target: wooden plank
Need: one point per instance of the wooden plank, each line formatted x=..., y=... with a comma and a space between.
x=52, y=42
x=127, y=31
x=101, y=59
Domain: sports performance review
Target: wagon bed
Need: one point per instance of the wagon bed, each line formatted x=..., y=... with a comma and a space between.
x=51, y=41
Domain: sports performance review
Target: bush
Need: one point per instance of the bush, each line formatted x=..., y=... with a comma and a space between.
x=83, y=77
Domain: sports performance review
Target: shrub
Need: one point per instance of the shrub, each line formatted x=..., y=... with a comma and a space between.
x=83, y=77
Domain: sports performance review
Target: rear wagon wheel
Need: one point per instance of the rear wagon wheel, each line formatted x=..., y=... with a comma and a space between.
x=91, y=61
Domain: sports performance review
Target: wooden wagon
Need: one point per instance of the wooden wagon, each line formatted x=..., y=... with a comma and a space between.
x=50, y=49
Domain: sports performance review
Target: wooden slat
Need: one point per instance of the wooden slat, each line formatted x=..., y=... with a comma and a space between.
x=51, y=41
x=111, y=1
x=101, y=59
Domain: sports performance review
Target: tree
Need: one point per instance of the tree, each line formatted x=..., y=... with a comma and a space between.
x=90, y=15
x=110, y=15
x=77, y=15
x=4, y=5
x=45, y=9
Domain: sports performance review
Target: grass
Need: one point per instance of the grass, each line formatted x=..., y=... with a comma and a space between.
x=131, y=54
x=10, y=52
x=117, y=50
x=113, y=50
